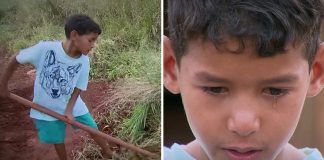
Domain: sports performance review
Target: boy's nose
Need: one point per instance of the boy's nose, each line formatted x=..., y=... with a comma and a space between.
x=243, y=123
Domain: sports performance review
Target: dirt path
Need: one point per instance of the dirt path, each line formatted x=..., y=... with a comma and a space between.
x=18, y=136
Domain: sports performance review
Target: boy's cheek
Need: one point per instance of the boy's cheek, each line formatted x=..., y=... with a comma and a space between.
x=201, y=120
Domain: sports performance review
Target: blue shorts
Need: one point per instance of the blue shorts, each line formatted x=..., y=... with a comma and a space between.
x=53, y=132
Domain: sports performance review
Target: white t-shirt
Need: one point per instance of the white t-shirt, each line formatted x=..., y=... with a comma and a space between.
x=57, y=74
x=177, y=152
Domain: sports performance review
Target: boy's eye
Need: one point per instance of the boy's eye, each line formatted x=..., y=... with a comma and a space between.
x=275, y=91
x=215, y=90
x=91, y=40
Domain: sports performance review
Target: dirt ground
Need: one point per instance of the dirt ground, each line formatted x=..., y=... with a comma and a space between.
x=18, y=136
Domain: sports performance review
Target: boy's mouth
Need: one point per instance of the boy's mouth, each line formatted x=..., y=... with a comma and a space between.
x=248, y=153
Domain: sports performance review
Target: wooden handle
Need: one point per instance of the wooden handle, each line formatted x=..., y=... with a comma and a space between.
x=80, y=125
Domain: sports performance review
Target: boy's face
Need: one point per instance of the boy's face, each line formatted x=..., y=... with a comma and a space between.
x=84, y=43
x=240, y=106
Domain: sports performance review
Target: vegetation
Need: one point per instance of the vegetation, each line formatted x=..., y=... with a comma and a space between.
x=126, y=54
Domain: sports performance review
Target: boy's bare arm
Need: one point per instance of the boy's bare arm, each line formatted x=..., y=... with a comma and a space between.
x=11, y=67
x=69, y=108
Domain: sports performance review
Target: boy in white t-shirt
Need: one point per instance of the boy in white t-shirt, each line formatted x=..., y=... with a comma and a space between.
x=62, y=72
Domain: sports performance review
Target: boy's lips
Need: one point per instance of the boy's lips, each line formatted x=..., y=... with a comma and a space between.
x=244, y=153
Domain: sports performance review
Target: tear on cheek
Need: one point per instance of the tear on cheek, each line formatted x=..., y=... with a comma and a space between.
x=274, y=102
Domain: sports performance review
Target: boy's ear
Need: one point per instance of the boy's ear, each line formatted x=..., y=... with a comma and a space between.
x=317, y=73
x=73, y=34
x=170, y=75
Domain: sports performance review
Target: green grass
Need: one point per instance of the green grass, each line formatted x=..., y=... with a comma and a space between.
x=140, y=102
x=127, y=53
x=144, y=99
x=129, y=29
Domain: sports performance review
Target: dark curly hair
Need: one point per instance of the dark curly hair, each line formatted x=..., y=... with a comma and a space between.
x=82, y=24
x=270, y=24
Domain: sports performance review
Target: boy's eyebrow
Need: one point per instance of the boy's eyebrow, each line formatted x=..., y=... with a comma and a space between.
x=286, y=78
x=206, y=77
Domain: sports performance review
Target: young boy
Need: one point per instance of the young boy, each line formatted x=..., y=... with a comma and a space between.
x=62, y=72
x=244, y=69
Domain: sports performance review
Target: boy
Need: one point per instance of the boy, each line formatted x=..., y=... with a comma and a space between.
x=62, y=71
x=244, y=69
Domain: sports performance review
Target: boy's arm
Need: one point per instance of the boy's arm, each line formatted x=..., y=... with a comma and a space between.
x=69, y=108
x=11, y=67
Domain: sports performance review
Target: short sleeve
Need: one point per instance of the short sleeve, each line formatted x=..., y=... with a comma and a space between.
x=82, y=82
x=31, y=55
x=176, y=152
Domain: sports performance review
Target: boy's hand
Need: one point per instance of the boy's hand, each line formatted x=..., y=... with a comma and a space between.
x=69, y=114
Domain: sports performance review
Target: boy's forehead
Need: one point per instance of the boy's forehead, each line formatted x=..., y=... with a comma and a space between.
x=204, y=60
x=237, y=47
x=90, y=36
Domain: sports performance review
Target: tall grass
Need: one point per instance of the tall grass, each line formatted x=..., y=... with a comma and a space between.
x=144, y=101
x=128, y=26
x=127, y=53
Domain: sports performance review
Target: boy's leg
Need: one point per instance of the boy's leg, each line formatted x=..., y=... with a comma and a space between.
x=107, y=152
x=103, y=143
x=52, y=132
x=60, y=150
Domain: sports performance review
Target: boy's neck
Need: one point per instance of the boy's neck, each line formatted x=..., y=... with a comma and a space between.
x=70, y=49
